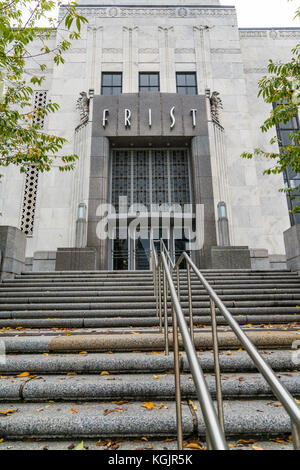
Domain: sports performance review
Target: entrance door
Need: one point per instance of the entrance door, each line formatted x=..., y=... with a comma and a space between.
x=152, y=178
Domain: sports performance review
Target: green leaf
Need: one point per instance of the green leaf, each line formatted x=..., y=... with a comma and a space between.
x=79, y=446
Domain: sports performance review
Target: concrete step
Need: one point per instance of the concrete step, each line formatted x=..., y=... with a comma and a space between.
x=136, y=387
x=263, y=285
x=34, y=357
x=132, y=341
x=148, y=296
x=287, y=306
x=130, y=322
x=147, y=274
x=90, y=419
x=278, y=442
x=148, y=290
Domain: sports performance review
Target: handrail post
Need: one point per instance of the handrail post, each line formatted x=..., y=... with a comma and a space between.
x=165, y=288
x=177, y=381
x=296, y=436
x=188, y=274
x=160, y=298
x=217, y=363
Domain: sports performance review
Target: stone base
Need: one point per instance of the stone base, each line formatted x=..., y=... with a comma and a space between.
x=260, y=260
x=44, y=261
x=12, y=248
x=226, y=257
x=76, y=259
x=292, y=247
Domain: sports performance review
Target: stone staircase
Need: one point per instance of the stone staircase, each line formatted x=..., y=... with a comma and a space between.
x=85, y=360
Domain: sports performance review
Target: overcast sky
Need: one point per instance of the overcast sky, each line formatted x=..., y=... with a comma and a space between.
x=266, y=13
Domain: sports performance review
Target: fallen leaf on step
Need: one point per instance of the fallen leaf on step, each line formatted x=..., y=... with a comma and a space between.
x=228, y=353
x=279, y=441
x=144, y=439
x=297, y=401
x=1, y=440
x=149, y=405
x=23, y=374
x=244, y=441
x=192, y=445
x=115, y=410
x=40, y=409
x=257, y=448
x=79, y=446
x=159, y=376
x=242, y=379
x=121, y=402
x=149, y=447
x=73, y=411
x=71, y=373
x=83, y=352
x=8, y=412
x=104, y=372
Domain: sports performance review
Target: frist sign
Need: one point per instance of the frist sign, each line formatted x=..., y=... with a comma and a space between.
x=149, y=114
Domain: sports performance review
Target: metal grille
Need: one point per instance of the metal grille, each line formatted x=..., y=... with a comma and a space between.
x=121, y=181
x=156, y=176
x=141, y=190
x=180, y=191
x=32, y=174
x=29, y=200
x=40, y=100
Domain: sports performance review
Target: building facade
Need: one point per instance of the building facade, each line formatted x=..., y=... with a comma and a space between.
x=158, y=100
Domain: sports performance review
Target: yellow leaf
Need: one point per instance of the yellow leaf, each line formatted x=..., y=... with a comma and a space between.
x=149, y=405
x=104, y=372
x=73, y=411
x=192, y=445
x=144, y=439
x=71, y=373
x=159, y=376
x=1, y=440
x=256, y=448
x=79, y=446
x=6, y=412
x=83, y=352
x=23, y=374
x=228, y=353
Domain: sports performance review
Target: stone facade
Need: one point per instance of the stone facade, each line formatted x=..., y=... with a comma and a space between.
x=144, y=36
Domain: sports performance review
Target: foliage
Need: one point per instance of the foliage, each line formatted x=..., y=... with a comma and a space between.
x=22, y=139
x=281, y=88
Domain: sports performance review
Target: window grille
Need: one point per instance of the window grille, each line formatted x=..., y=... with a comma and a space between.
x=156, y=176
x=32, y=175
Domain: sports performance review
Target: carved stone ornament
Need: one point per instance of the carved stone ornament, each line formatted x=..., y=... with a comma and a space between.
x=83, y=106
x=216, y=105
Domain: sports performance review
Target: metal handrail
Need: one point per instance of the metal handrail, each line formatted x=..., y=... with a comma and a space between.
x=215, y=435
x=277, y=388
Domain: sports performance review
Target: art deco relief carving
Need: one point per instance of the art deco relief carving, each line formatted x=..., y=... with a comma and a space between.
x=225, y=51
x=253, y=34
x=273, y=34
x=185, y=51
x=111, y=50
x=148, y=50
x=257, y=70
x=173, y=12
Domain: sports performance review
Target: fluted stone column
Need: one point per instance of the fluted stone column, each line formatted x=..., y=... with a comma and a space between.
x=98, y=194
